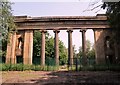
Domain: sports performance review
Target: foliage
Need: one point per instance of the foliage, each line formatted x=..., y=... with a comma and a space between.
x=36, y=43
x=90, y=52
x=62, y=53
x=49, y=47
x=113, y=13
x=6, y=19
x=7, y=25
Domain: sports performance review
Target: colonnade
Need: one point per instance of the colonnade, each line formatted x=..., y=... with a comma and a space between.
x=70, y=47
x=28, y=47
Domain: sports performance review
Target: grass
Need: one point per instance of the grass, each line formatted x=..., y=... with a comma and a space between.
x=22, y=67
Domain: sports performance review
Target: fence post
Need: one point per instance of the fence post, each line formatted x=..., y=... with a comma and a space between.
x=76, y=63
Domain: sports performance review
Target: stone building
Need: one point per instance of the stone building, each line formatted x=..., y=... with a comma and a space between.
x=21, y=42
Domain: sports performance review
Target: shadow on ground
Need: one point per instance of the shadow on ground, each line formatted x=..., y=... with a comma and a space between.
x=75, y=78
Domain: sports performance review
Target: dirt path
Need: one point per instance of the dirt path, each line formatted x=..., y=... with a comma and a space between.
x=60, y=78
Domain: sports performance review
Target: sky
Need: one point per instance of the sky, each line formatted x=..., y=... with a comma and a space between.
x=39, y=8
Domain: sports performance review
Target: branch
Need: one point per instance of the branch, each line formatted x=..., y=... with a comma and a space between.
x=93, y=8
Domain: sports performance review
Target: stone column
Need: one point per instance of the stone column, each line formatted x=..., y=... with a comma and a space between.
x=13, y=55
x=28, y=47
x=56, y=46
x=10, y=55
x=70, y=48
x=84, y=46
x=99, y=46
x=43, y=48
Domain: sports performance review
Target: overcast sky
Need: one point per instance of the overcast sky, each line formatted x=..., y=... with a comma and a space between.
x=53, y=8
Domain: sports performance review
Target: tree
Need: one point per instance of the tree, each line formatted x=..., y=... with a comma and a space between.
x=36, y=43
x=74, y=52
x=113, y=13
x=63, y=53
x=7, y=25
x=90, y=53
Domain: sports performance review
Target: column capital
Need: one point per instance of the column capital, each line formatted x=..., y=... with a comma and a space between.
x=56, y=31
x=83, y=30
x=69, y=30
x=43, y=31
x=95, y=29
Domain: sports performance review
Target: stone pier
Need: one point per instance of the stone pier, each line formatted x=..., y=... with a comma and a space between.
x=99, y=46
x=10, y=55
x=28, y=47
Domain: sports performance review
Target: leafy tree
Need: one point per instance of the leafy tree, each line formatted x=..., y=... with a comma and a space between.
x=36, y=43
x=7, y=25
x=50, y=58
x=90, y=53
x=63, y=53
x=74, y=52
x=80, y=52
x=88, y=46
x=113, y=13
x=6, y=19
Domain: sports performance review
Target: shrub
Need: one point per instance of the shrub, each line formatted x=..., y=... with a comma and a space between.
x=37, y=68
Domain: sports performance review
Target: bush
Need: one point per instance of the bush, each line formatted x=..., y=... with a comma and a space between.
x=19, y=67
x=6, y=67
x=37, y=68
x=27, y=67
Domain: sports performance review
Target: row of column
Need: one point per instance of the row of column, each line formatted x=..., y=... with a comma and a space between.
x=70, y=47
x=28, y=47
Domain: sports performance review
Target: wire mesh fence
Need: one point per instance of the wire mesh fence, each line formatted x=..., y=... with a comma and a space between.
x=74, y=64
x=78, y=65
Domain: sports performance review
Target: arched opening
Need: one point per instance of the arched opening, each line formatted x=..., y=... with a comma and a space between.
x=20, y=46
x=19, y=50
